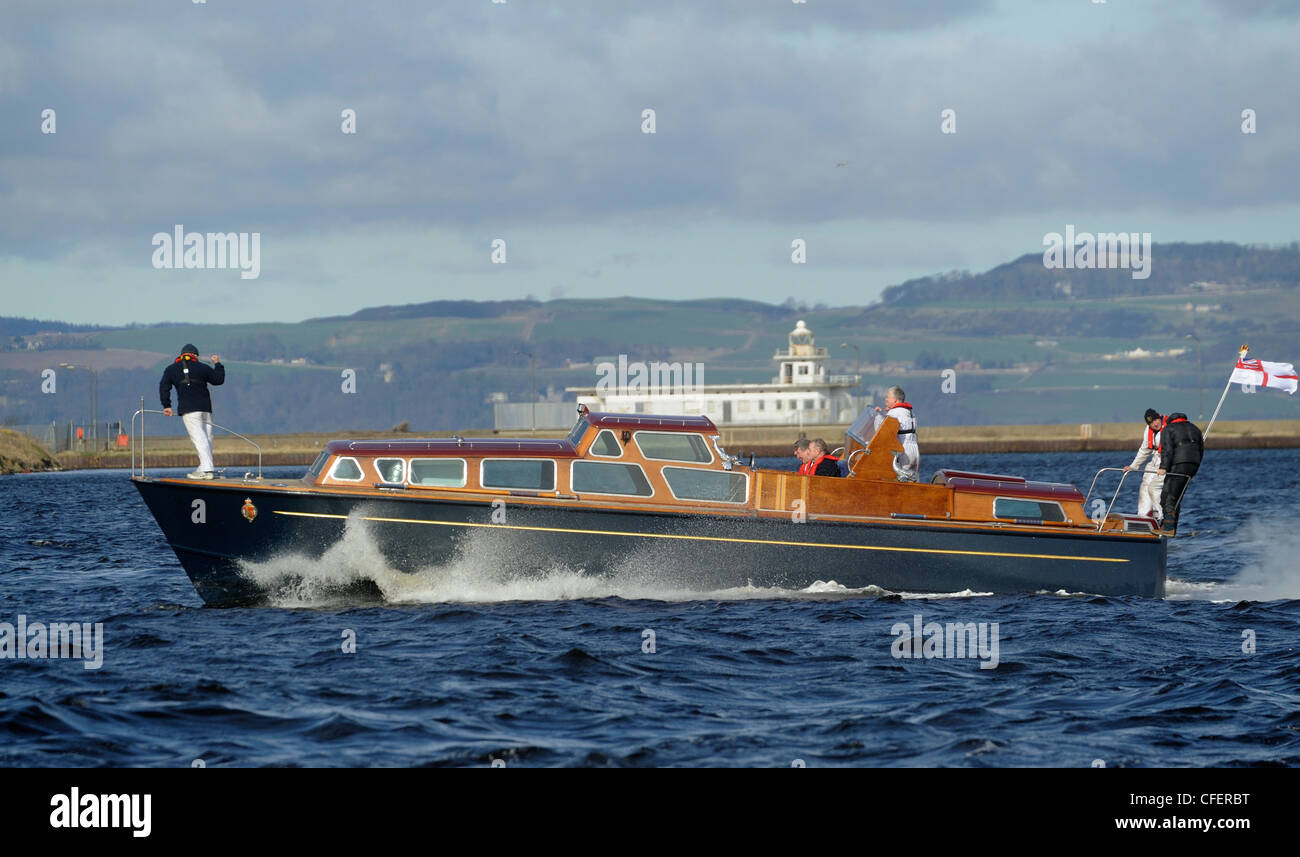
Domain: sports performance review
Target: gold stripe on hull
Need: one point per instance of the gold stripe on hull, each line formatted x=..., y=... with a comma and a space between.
x=709, y=538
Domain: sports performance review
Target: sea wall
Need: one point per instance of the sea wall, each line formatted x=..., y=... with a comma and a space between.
x=299, y=450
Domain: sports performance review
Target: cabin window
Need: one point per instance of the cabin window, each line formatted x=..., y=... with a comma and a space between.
x=579, y=430
x=530, y=474
x=606, y=444
x=599, y=477
x=391, y=469
x=1036, y=510
x=347, y=469
x=673, y=446
x=438, y=472
x=717, y=486
x=319, y=464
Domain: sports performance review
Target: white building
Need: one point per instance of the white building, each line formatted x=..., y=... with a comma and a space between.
x=801, y=393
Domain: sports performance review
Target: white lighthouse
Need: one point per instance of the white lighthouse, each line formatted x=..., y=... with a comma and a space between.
x=801, y=393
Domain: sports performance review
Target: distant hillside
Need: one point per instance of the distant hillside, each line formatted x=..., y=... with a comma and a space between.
x=1027, y=345
x=1025, y=297
x=14, y=326
x=437, y=309
x=1190, y=269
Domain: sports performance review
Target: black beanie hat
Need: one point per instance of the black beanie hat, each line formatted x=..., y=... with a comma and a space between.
x=1151, y=414
x=189, y=349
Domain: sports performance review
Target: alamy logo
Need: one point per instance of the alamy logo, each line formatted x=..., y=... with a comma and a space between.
x=655, y=377
x=955, y=640
x=181, y=249
x=1103, y=250
x=95, y=810
x=59, y=640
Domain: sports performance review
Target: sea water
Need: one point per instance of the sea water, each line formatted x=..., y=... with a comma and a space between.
x=474, y=664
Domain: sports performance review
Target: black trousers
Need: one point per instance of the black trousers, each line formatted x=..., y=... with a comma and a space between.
x=1171, y=495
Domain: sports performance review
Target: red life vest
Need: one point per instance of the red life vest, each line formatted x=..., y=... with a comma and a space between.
x=806, y=468
x=1152, y=434
x=902, y=405
x=812, y=465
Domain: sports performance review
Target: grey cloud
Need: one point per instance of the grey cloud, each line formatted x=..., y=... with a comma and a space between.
x=227, y=117
x=1257, y=8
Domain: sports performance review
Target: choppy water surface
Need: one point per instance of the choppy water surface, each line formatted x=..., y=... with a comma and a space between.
x=471, y=663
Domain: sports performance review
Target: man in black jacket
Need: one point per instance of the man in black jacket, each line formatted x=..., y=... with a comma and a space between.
x=191, y=379
x=1181, y=448
x=823, y=463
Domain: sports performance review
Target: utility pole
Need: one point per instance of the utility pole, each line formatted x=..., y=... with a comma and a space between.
x=532, y=393
x=1200, y=371
x=857, y=371
x=94, y=400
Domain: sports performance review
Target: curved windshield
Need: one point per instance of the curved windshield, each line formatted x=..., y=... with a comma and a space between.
x=579, y=431
x=863, y=427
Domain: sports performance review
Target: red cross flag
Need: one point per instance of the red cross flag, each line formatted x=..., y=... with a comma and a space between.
x=1261, y=373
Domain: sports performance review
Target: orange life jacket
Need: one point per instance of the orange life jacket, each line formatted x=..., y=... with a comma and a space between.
x=812, y=465
x=1152, y=434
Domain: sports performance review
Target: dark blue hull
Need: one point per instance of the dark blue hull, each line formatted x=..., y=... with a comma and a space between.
x=699, y=552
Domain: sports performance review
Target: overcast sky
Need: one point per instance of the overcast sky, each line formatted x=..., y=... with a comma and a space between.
x=523, y=121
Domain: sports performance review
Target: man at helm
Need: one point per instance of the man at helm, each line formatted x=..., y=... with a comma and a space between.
x=908, y=465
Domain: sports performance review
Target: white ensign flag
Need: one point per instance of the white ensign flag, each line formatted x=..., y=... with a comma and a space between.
x=1261, y=373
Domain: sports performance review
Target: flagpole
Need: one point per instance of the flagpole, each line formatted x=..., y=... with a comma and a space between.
x=1227, y=387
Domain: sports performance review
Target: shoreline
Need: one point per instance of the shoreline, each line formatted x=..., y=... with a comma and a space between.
x=300, y=450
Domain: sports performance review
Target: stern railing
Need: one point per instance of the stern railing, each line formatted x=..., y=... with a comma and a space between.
x=1101, y=522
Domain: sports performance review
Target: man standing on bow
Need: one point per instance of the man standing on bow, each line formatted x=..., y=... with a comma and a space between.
x=191, y=378
x=1149, y=452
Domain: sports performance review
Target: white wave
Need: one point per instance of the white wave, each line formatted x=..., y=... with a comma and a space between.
x=932, y=596
x=1193, y=590
x=488, y=569
x=1270, y=573
x=293, y=580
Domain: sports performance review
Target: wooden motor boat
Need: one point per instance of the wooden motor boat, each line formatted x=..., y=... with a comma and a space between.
x=662, y=490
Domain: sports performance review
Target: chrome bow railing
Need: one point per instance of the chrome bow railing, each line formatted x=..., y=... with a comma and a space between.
x=143, y=410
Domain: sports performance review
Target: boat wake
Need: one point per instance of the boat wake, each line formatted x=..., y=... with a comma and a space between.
x=1270, y=575
x=486, y=569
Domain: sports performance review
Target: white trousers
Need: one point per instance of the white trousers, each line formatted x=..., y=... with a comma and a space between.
x=1149, y=495
x=199, y=425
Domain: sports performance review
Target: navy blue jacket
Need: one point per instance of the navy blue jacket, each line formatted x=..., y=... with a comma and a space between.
x=191, y=386
x=827, y=465
x=1181, y=443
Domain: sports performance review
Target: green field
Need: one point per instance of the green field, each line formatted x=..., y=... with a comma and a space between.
x=1041, y=350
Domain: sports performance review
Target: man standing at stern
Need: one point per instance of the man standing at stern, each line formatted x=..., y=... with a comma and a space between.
x=1149, y=453
x=191, y=378
x=1181, y=448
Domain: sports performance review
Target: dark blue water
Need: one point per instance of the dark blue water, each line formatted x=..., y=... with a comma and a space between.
x=472, y=664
